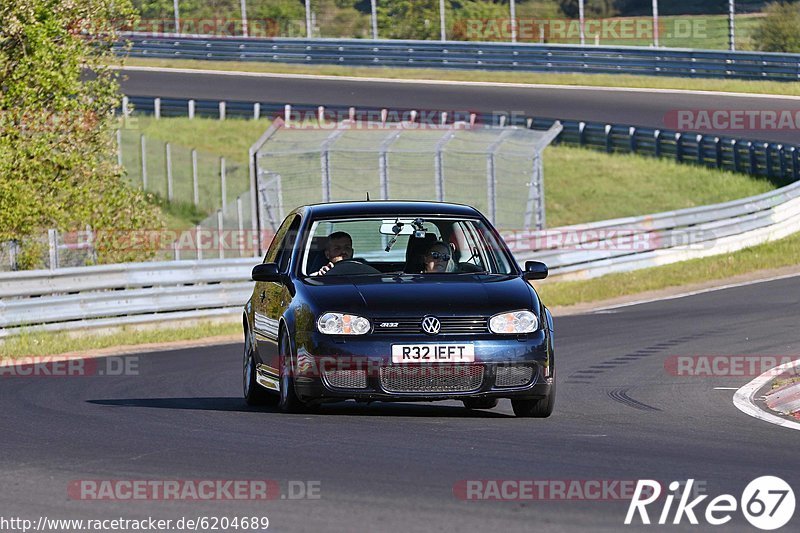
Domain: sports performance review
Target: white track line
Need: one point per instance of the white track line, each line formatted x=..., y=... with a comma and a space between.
x=453, y=82
x=743, y=398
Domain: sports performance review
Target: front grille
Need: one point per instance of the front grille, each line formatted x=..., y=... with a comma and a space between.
x=440, y=378
x=450, y=325
x=513, y=376
x=346, y=379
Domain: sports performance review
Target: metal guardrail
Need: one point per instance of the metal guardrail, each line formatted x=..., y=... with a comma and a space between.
x=475, y=55
x=113, y=295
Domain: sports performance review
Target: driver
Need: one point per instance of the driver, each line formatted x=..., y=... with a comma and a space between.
x=338, y=247
x=437, y=257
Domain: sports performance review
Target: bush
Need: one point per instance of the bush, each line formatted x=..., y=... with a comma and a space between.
x=58, y=165
x=779, y=30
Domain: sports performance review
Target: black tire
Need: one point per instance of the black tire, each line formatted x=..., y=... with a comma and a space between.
x=288, y=400
x=541, y=408
x=480, y=403
x=254, y=394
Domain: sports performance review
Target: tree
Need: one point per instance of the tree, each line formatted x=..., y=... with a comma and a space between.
x=410, y=19
x=58, y=165
x=778, y=30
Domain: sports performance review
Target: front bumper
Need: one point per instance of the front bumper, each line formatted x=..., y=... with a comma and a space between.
x=372, y=354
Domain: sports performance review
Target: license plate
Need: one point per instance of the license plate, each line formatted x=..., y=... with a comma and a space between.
x=433, y=353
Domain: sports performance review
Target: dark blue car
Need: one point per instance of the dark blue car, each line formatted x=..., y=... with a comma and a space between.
x=396, y=301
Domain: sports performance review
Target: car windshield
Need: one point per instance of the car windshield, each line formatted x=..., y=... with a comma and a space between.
x=404, y=244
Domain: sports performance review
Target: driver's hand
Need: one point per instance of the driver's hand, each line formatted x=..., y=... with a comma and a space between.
x=325, y=269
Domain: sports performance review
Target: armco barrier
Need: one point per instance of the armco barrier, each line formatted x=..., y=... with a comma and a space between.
x=474, y=55
x=113, y=295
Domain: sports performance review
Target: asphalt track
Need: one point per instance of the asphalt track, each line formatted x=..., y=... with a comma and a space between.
x=640, y=108
x=392, y=467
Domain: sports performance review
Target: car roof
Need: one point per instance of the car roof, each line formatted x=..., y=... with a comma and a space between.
x=388, y=208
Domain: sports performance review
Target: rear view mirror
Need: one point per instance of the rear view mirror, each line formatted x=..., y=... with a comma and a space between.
x=266, y=272
x=535, y=270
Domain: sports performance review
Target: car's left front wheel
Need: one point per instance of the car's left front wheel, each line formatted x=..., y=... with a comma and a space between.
x=254, y=394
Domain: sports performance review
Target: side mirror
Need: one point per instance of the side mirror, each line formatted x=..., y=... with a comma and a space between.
x=535, y=270
x=266, y=272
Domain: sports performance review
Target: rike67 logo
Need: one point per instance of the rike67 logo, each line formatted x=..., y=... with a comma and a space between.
x=767, y=503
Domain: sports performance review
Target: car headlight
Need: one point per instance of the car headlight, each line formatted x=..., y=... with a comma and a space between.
x=514, y=323
x=342, y=324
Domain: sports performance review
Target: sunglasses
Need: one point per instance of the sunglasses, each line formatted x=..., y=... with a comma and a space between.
x=440, y=255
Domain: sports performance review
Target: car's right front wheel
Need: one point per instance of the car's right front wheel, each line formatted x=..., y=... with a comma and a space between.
x=536, y=408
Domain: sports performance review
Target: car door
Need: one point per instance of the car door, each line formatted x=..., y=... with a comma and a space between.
x=270, y=299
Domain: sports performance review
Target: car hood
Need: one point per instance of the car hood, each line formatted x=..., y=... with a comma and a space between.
x=416, y=295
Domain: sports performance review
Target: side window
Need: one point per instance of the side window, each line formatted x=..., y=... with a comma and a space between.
x=287, y=245
x=283, y=238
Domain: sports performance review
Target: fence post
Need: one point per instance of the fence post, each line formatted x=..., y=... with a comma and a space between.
x=143, y=144
x=632, y=134
x=222, y=185
x=256, y=111
x=157, y=107
x=491, y=181
x=240, y=225
x=168, y=165
x=197, y=230
x=52, y=241
x=751, y=149
x=220, y=229
x=119, y=147
x=222, y=110
x=735, y=155
x=12, y=254
x=195, y=184
x=700, y=139
x=679, y=147
x=126, y=112
x=609, y=139
x=191, y=108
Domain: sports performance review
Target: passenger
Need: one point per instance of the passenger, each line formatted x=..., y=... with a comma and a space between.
x=437, y=257
x=338, y=247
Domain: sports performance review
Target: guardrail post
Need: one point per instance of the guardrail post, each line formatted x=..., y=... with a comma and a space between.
x=223, y=189
x=657, y=141
x=13, y=251
x=143, y=145
x=256, y=111
x=126, y=111
x=679, y=147
x=168, y=165
x=768, y=155
x=176, y=251
x=735, y=155
x=632, y=135
x=195, y=184
x=222, y=110
x=718, y=148
x=795, y=164
x=753, y=162
x=287, y=114
x=609, y=139
x=581, y=133
x=700, y=155
x=191, y=108
x=52, y=241
x=157, y=107
x=220, y=229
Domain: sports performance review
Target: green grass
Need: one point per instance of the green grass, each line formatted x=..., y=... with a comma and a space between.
x=38, y=344
x=532, y=78
x=784, y=252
